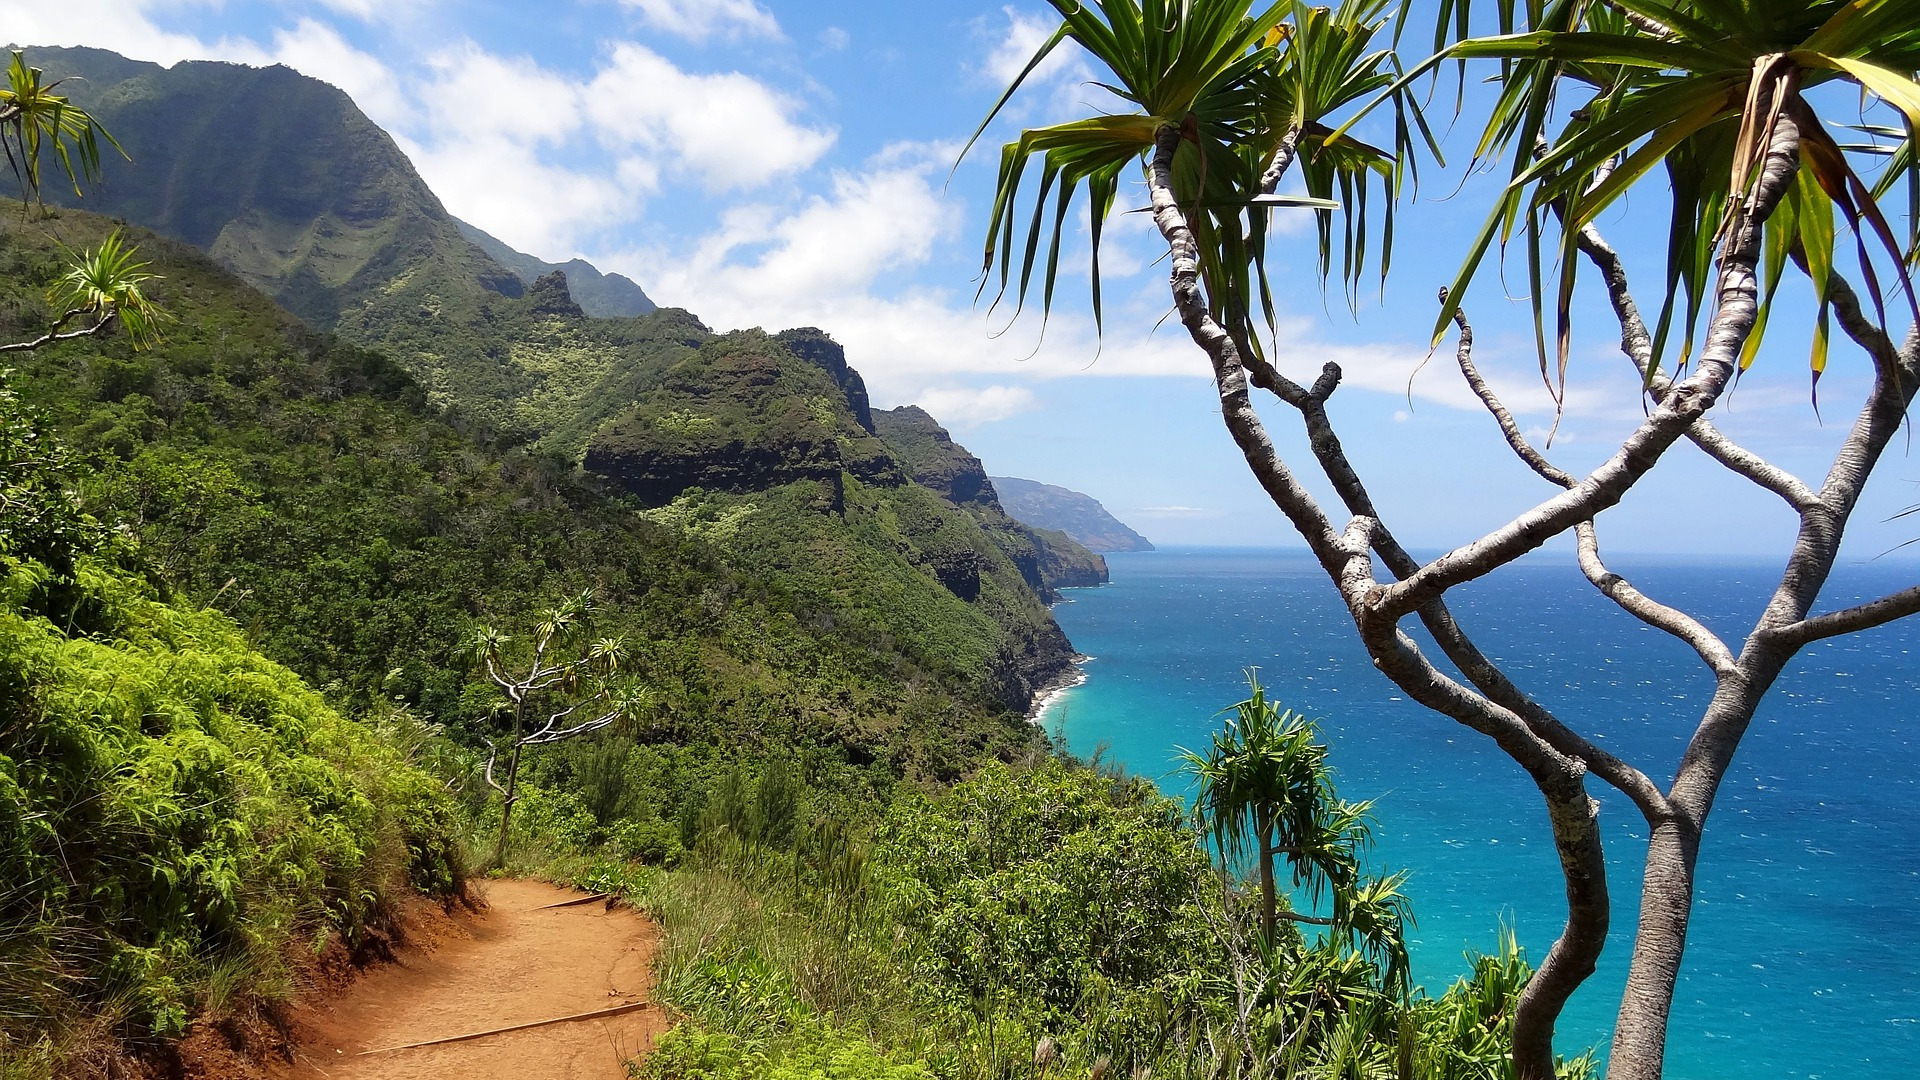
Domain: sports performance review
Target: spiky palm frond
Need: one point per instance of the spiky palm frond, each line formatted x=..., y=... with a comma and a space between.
x=109, y=282
x=34, y=118
x=1693, y=87
x=1237, y=81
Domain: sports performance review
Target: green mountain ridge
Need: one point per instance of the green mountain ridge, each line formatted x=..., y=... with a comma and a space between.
x=1046, y=506
x=312, y=490
x=601, y=295
x=279, y=177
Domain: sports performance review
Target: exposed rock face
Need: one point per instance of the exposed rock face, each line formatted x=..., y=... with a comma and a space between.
x=744, y=414
x=1049, y=561
x=549, y=295
x=278, y=176
x=601, y=296
x=814, y=346
x=1081, y=517
x=936, y=461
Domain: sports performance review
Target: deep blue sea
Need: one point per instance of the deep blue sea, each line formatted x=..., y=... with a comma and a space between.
x=1804, y=957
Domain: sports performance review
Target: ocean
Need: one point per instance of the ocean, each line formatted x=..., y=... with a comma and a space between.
x=1804, y=956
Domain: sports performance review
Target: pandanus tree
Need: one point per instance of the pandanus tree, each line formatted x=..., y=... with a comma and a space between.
x=564, y=684
x=101, y=287
x=1723, y=101
x=34, y=119
x=1265, y=792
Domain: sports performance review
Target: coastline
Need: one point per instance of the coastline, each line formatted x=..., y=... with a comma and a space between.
x=1048, y=695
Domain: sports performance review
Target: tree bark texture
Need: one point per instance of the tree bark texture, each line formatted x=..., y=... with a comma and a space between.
x=1555, y=757
x=1347, y=558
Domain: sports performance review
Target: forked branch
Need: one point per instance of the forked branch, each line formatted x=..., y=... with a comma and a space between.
x=1611, y=585
x=1637, y=344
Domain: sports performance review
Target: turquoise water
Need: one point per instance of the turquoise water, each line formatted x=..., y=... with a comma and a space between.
x=1804, y=958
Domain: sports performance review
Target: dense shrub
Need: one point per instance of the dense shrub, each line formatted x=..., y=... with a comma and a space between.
x=176, y=811
x=1049, y=885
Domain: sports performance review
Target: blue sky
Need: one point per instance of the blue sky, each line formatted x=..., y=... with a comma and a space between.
x=770, y=163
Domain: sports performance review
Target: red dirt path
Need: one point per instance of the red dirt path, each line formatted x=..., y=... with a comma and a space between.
x=515, y=962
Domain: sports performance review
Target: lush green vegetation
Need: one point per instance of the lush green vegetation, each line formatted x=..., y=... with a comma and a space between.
x=309, y=490
x=1041, y=918
x=180, y=817
x=247, y=484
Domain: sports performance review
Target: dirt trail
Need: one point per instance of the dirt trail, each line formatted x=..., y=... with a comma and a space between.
x=516, y=962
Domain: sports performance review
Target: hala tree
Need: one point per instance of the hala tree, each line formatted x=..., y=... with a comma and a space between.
x=101, y=287
x=566, y=684
x=1265, y=791
x=33, y=118
x=1720, y=96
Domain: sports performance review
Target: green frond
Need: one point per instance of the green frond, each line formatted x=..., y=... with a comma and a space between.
x=1236, y=79
x=35, y=120
x=1689, y=84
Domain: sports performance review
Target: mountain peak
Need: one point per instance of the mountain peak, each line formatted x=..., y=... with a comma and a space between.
x=549, y=295
x=603, y=296
x=1046, y=506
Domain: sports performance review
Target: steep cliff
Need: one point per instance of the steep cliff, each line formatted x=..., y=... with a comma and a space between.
x=1045, y=506
x=764, y=446
x=1049, y=560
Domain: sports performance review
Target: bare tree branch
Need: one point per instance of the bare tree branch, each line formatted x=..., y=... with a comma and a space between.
x=1616, y=588
x=1438, y=619
x=1850, y=620
x=1737, y=292
x=1650, y=611
x=1637, y=344
x=1463, y=354
x=53, y=333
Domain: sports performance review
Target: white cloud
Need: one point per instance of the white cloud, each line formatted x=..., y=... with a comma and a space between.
x=470, y=93
x=497, y=183
x=735, y=131
x=698, y=20
x=313, y=48
x=1061, y=87
x=960, y=407
x=1023, y=36
x=834, y=39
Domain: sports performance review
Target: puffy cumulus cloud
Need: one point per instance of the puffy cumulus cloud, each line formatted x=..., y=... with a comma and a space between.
x=828, y=248
x=1060, y=88
x=735, y=131
x=961, y=407
x=468, y=92
x=1021, y=37
x=314, y=48
x=494, y=182
x=698, y=20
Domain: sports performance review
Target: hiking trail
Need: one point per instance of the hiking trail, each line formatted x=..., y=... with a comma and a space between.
x=521, y=960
